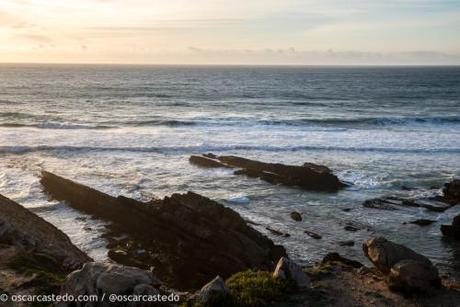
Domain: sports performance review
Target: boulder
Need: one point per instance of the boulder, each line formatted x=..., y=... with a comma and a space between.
x=411, y=275
x=188, y=238
x=215, y=287
x=296, y=216
x=29, y=234
x=308, y=176
x=385, y=254
x=453, y=230
x=288, y=269
x=105, y=279
x=451, y=192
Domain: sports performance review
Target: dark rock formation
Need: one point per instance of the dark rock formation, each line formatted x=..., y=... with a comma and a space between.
x=312, y=234
x=188, y=239
x=393, y=202
x=422, y=222
x=296, y=216
x=451, y=192
x=336, y=257
x=453, y=230
x=28, y=233
x=407, y=270
x=308, y=176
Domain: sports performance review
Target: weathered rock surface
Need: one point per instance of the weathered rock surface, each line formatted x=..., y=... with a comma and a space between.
x=106, y=278
x=213, y=288
x=288, y=269
x=453, y=230
x=308, y=176
x=411, y=275
x=188, y=239
x=451, y=192
x=29, y=233
x=407, y=269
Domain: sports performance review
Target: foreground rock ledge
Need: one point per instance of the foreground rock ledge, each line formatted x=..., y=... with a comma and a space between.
x=308, y=176
x=188, y=239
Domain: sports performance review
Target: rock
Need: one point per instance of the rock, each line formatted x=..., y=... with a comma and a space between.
x=411, y=275
x=346, y=243
x=189, y=239
x=351, y=228
x=385, y=254
x=453, y=230
x=313, y=234
x=451, y=192
x=378, y=203
x=296, y=216
x=31, y=234
x=288, y=269
x=422, y=222
x=308, y=176
x=99, y=278
x=216, y=287
x=335, y=257
x=277, y=232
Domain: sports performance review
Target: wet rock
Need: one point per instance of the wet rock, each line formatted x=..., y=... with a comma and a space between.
x=296, y=216
x=29, y=233
x=99, y=278
x=453, y=230
x=216, y=287
x=288, y=269
x=351, y=228
x=188, y=238
x=313, y=234
x=336, y=257
x=308, y=176
x=451, y=192
x=378, y=203
x=346, y=243
x=385, y=254
x=422, y=222
x=277, y=232
x=411, y=275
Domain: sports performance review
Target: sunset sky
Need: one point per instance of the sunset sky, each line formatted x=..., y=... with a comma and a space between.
x=231, y=32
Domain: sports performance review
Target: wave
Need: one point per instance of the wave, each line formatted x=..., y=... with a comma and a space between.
x=210, y=148
x=387, y=121
x=53, y=126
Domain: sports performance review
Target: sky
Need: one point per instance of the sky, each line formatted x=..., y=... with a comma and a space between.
x=293, y=32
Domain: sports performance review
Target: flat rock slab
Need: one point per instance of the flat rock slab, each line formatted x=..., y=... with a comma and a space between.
x=308, y=176
x=188, y=239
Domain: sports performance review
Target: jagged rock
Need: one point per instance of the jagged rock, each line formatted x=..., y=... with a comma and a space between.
x=313, y=234
x=451, y=192
x=215, y=287
x=29, y=233
x=452, y=230
x=187, y=238
x=277, y=232
x=98, y=278
x=346, y=243
x=288, y=269
x=296, y=216
x=378, y=203
x=308, y=176
x=411, y=275
x=384, y=254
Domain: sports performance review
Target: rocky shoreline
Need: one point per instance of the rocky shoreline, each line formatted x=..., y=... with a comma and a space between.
x=192, y=247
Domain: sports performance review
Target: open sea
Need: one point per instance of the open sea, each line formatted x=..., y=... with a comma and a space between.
x=130, y=129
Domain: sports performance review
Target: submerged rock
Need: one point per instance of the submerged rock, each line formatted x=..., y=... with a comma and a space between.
x=422, y=222
x=313, y=234
x=296, y=216
x=288, y=269
x=187, y=238
x=308, y=176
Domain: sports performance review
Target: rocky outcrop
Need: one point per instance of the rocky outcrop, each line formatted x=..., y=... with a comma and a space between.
x=105, y=279
x=215, y=287
x=288, y=269
x=188, y=239
x=452, y=231
x=28, y=233
x=308, y=176
x=451, y=192
x=407, y=269
x=395, y=202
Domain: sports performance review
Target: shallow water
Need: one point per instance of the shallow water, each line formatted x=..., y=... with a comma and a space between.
x=130, y=130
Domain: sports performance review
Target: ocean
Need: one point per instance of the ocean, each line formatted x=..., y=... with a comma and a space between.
x=130, y=129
